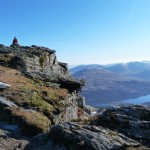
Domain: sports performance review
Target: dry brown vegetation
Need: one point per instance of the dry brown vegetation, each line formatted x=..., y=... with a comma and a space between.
x=31, y=122
x=21, y=84
x=27, y=93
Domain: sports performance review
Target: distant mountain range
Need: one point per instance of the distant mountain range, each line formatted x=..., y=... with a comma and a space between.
x=146, y=103
x=114, y=82
x=129, y=68
x=82, y=67
x=135, y=69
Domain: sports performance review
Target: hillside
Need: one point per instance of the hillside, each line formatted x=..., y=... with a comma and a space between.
x=146, y=103
x=103, y=86
x=41, y=108
x=82, y=67
x=129, y=68
x=41, y=89
x=145, y=74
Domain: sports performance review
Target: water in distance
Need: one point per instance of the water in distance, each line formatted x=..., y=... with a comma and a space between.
x=138, y=101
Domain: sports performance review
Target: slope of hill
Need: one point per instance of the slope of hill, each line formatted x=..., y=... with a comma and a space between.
x=129, y=68
x=145, y=74
x=135, y=69
x=146, y=103
x=38, y=99
x=104, y=86
x=39, y=84
x=81, y=67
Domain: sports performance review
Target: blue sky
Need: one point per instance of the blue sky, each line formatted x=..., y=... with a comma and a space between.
x=81, y=31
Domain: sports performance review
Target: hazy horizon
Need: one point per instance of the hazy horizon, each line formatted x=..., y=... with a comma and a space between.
x=144, y=61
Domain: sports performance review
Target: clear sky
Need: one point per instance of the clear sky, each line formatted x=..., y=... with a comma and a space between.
x=81, y=31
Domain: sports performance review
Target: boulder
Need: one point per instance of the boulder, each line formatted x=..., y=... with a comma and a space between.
x=4, y=85
x=87, y=137
x=132, y=121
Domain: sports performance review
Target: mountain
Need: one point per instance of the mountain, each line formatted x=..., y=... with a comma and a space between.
x=145, y=74
x=139, y=70
x=135, y=69
x=81, y=67
x=121, y=68
x=102, y=86
x=129, y=68
x=146, y=103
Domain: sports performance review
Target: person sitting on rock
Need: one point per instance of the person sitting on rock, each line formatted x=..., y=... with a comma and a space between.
x=15, y=41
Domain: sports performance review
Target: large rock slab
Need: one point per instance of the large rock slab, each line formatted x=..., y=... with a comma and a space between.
x=87, y=137
x=132, y=121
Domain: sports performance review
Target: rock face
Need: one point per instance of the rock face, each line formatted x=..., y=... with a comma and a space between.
x=38, y=83
x=34, y=58
x=5, y=102
x=39, y=62
x=132, y=121
x=88, y=137
x=118, y=128
x=103, y=132
x=11, y=140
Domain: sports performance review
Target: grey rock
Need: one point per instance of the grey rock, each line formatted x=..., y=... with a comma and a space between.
x=43, y=142
x=4, y=85
x=35, y=58
x=87, y=137
x=70, y=112
x=10, y=139
x=132, y=121
x=81, y=101
x=89, y=110
x=68, y=82
x=40, y=63
x=5, y=102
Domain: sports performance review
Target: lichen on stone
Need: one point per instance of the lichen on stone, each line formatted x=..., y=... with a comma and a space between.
x=42, y=60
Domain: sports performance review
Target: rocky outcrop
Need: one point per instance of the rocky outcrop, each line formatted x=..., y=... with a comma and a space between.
x=32, y=59
x=77, y=136
x=39, y=83
x=117, y=128
x=11, y=139
x=5, y=102
x=132, y=121
x=40, y=63
x=107, y=131
x=57, y=80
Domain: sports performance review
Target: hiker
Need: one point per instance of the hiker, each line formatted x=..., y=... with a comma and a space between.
x=15, y=41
